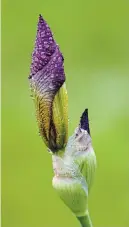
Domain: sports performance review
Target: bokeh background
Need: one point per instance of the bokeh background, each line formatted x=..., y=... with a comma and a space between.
x=94, y=38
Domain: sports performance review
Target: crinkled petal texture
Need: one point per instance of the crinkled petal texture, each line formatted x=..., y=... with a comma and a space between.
x=47, y=80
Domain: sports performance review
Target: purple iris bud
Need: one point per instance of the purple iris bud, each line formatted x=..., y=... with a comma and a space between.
x=46, y=78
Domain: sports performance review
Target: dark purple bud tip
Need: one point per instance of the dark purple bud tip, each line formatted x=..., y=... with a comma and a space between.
x=84, y=121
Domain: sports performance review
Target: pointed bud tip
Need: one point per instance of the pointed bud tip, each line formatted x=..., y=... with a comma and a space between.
x=42, y=24
x=84, y=121
x=40, y=18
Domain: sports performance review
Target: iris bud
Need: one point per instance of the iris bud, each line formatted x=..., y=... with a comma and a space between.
x=47, y=82
x=75, y=169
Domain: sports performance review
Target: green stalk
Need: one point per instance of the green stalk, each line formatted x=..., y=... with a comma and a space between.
x=85, y=221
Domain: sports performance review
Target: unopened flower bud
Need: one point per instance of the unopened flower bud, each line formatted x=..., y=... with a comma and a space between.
x=80, y=146
x=74, y=170
x=47, y=82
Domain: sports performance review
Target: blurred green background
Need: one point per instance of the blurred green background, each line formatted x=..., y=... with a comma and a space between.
x=94, y=38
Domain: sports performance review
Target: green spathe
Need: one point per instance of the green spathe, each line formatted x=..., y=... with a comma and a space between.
x=74, y=172
x=73, y=192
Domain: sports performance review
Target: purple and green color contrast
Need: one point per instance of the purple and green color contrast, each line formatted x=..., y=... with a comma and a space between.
x=47, y=81
x=73, y=158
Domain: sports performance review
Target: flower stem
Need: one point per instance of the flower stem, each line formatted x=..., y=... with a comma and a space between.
x=85, y=221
